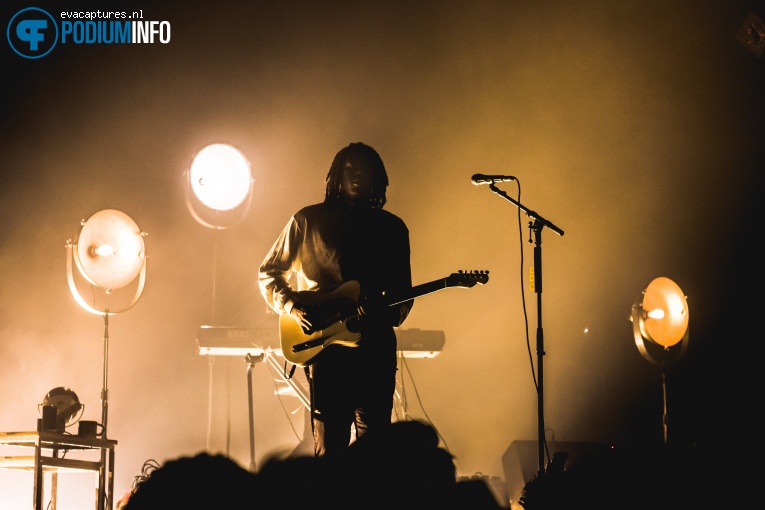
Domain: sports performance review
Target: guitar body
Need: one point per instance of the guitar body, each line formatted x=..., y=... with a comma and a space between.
x=300, y=348
x=339, y=306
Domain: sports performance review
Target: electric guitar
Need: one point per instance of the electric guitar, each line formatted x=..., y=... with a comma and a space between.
x=339, y=311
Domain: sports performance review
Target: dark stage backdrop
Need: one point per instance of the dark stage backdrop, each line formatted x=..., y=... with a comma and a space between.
x=636, y=127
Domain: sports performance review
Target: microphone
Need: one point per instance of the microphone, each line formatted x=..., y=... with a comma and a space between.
x=491, y=179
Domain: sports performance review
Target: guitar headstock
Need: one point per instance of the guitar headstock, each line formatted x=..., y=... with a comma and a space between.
x=467, y=278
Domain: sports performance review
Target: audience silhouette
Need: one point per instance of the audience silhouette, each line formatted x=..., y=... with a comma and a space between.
x=202, y=481
x=637, y=477
x=399, y=467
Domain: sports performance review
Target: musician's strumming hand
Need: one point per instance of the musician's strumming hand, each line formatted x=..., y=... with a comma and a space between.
x=307, y=316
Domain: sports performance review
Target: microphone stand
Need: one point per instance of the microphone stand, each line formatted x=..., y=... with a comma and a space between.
x=536, y=226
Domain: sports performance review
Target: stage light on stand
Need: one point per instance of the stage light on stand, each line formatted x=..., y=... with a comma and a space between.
x=660, y=320
x=218, y=192
x=218, y=195
x=109, y=253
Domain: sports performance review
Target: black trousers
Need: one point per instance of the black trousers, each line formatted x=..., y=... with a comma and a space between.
x=352, y=388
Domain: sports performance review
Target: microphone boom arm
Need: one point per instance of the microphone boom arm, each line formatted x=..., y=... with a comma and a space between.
x=529, y=213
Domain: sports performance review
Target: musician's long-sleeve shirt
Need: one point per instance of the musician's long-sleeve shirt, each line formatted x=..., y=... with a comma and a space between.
x=324, y=245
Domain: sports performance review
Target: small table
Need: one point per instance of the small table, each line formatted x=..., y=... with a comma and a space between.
x=41, y=462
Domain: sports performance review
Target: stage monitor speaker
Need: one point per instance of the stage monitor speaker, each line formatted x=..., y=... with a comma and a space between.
x=521, y=462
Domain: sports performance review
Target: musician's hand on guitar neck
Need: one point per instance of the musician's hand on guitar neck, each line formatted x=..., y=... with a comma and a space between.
x=355, y=316
x=371, y=310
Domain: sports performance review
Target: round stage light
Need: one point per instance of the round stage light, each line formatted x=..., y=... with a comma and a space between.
x=664, y=317
x=220, y=177
x=110, y=249
x=67, y=406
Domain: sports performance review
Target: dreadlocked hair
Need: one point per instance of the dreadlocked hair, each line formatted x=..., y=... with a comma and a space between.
x=334, y=176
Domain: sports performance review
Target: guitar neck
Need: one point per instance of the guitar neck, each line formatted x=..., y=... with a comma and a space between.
x=417, y=291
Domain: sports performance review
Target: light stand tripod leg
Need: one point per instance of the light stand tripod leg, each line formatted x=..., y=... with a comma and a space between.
x=105, y=390
x=252, y=419
x=102, y=474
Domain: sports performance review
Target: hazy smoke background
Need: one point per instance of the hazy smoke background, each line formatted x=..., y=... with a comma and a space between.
x=636, y=127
